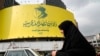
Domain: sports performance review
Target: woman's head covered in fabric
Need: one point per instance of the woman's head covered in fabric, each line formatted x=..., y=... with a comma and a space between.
x=66, y=26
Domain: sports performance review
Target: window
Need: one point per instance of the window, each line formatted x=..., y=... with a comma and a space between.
x=29, y=53
x=2, y=53
x=16, y=53
x=30, y=1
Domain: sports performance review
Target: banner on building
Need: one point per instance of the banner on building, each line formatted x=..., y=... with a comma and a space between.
x=34, y=21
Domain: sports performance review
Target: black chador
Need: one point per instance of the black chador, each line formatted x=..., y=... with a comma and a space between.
x=75, y=43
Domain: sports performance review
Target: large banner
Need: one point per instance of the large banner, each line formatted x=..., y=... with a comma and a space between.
x=34, y=21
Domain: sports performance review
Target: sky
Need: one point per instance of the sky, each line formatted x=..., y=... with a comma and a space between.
x=87, y=14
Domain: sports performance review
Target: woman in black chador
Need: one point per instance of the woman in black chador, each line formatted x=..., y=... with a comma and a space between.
x=75, y=43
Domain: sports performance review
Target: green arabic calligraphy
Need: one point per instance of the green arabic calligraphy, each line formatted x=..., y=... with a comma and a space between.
x=33, y=23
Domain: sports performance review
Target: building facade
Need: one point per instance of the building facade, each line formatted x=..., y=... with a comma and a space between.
x=1, y=4
x=19, y=30
x=7, y=3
